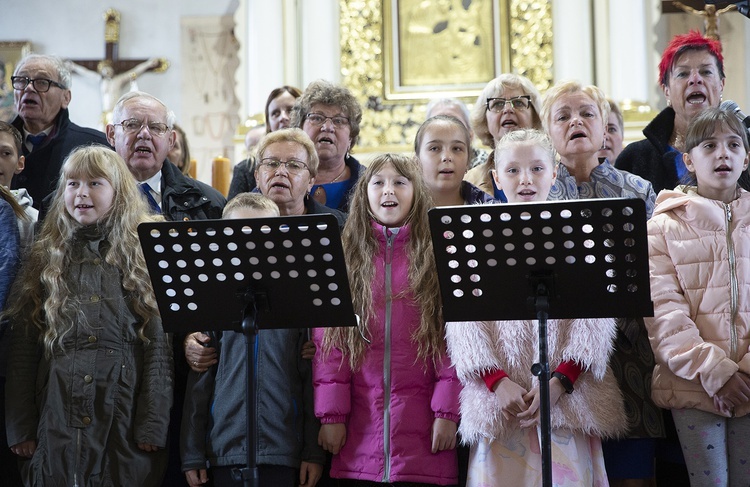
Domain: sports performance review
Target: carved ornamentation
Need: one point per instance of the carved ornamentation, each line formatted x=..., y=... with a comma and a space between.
x=392, y=126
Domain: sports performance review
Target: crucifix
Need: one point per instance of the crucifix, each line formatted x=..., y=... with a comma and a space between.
x=112, y=72
x=710, y=13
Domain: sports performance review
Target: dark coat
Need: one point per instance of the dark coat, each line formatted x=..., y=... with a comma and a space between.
x=314, y=208
x=42, y=170
x=475, y=196
x=184, y=198
x=357, y=170
x=243, y=178
x=651, y=157
x=91, y=403
x=214, y=419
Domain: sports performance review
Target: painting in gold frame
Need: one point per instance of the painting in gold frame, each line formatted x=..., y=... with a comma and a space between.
x=448, y=48
x=10, y=54
x=391, y=125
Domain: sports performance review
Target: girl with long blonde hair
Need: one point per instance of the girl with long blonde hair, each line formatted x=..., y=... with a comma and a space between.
x=90, y=382
x=385, y=392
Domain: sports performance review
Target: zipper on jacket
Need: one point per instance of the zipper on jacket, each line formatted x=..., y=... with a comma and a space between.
x=733, y=285
x=387, y=358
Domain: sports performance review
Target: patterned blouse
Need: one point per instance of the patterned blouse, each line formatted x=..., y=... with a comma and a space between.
x=632, y=361
x=605, y=182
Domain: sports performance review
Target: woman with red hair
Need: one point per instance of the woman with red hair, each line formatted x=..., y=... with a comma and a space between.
x=691, y=74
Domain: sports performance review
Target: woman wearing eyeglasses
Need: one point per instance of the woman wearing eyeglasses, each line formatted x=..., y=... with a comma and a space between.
x=508, y=102
x=286, y=169
x=331, y=115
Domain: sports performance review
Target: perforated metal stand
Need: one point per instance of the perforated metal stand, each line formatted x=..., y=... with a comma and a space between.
x=246, y=275
x=563, y=259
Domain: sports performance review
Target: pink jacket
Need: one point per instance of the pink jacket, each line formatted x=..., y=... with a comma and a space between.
x=699, y=253
x=390, y=403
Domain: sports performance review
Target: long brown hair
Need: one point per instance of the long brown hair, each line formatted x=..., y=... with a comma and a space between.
x=360, y=245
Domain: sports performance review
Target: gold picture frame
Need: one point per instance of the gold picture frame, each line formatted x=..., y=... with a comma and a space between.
x=390, y=125
x=443, y=48
x=10, y=53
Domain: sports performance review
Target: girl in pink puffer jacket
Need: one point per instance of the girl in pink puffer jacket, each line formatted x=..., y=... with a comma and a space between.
x=699, y=249
x=385, y=392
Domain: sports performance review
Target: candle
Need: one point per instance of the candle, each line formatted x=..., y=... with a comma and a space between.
x=222, y=174
x=193, y=169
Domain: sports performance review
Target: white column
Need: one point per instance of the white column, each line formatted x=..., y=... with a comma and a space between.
x=572, y=22
x=321, y=52
x=734, y=29
x=630, y=72
x=265, y=55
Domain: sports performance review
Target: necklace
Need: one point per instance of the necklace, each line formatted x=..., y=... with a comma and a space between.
x=678, y=142
x=319, y=194
x=337, y=177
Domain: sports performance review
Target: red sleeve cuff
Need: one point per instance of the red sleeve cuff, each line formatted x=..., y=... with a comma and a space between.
x=492, y=378
x=570, y=369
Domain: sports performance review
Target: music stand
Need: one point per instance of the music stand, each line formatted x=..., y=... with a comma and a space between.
x=562, y=259
x=246, y=275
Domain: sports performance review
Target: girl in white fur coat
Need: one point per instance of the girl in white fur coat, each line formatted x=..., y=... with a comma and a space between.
x=500, y=399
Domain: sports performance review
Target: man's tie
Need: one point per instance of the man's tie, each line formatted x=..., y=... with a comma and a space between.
x=36, y=140
x=146, y=190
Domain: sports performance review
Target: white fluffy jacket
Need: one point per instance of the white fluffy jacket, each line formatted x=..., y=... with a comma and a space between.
x=476, y=348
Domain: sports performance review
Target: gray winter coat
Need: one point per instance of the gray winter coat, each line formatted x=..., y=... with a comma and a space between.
x=91, y=403
x=213, y=423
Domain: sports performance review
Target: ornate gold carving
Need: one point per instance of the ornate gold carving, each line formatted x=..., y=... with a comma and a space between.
x=112, y=26
x=531, y=41
x=392, y=127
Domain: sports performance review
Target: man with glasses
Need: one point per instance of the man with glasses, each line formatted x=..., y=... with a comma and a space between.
x=41, y=90
x=141, y=133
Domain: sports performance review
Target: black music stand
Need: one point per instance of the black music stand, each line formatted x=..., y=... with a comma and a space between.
x=246, y=275
x=563, y=259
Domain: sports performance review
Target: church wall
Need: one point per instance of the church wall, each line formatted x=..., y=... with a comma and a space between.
x=75, y=29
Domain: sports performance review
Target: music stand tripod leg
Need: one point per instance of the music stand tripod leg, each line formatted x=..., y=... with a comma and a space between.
x=541, y=370
x=249, y=474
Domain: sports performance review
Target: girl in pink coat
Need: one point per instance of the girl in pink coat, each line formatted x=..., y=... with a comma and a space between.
x=385, y=393
x=699, y=249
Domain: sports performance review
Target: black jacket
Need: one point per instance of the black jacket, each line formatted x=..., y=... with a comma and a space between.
x=42, y=170
x=651, y=158
x=184, y=198
x=243, y=178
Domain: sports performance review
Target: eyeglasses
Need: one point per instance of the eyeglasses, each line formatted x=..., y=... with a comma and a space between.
x=133, y=126
x=497, y=105
x=41, y=85
x=319, y=119
x=270, y=164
